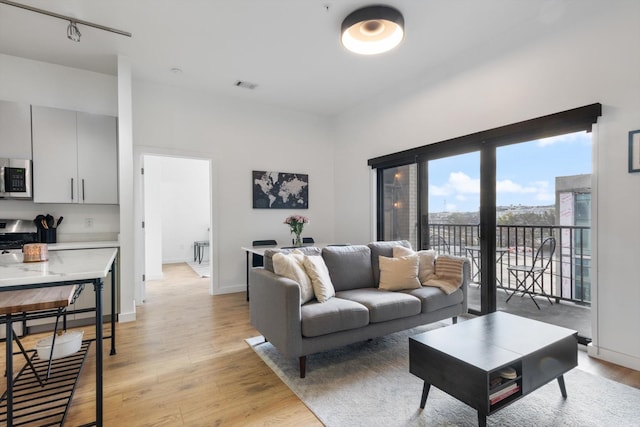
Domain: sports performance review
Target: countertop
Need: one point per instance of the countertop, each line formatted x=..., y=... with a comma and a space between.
x=83, y=245
x=62, y=266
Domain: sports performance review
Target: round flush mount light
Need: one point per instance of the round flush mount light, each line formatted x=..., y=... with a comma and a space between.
x=372, y=30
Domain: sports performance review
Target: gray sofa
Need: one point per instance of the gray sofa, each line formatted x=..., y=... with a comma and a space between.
x=358, y=312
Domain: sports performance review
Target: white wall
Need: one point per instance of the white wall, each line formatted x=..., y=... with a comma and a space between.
x=589, y=60
x=152, y=218
x=239, y=137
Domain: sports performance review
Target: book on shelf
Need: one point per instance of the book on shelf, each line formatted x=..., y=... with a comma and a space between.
x=504, y=393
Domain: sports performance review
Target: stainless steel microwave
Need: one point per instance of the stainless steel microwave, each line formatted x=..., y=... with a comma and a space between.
x=15, y=179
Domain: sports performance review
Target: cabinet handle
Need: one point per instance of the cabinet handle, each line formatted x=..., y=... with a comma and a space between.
x=71, y=189
x=83, y=189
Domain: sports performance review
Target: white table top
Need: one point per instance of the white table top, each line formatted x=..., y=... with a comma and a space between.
x=63, y=266
x=259, y=250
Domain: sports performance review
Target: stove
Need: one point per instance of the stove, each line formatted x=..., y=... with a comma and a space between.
x=14, y=233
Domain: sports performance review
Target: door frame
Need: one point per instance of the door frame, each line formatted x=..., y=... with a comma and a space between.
x=139, y=210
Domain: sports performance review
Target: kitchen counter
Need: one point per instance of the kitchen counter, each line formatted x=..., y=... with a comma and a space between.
x=63, y=265
x=83, y=245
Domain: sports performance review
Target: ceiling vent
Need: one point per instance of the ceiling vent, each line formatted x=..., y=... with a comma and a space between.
x=246, y=85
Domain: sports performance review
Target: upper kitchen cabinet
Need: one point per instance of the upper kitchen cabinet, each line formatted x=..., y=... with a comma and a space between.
x=15, y=130
x=75, y=157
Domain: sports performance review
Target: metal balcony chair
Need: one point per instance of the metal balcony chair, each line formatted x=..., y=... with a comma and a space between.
x=528, y=276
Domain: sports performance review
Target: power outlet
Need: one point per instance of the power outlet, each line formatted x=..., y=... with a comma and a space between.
x=88, y=222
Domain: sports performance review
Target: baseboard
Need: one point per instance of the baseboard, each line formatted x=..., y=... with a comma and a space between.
x=621, y=359
x=127, y=317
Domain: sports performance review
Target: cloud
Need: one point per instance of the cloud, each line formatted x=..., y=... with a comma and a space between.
x=460, y=186
x=508, y=186
x=569, y=138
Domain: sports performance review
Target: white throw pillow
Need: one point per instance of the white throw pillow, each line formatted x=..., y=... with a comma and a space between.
x=320, y=279
x=291, y=267
x=399, y=273
x=426, y=269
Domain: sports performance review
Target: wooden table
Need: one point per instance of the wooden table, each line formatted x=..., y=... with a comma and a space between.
x=463, y=359
x=63, y=269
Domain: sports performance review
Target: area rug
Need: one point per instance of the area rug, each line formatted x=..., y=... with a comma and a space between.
x=369, y=384
x=201, y=270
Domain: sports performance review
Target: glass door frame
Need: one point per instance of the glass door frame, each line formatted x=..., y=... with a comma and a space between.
x=577, y=119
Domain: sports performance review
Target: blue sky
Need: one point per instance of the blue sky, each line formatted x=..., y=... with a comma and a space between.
x=525, y=173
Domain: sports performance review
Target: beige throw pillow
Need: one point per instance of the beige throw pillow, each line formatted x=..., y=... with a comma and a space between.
x=320, y=279
x=399, y=273
x=426, y=268
x=291, y=267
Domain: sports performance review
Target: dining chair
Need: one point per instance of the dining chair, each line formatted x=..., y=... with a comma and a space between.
x=258, y=260
x=528, y=276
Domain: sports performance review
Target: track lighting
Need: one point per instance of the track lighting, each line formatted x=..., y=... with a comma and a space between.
x=72, y=32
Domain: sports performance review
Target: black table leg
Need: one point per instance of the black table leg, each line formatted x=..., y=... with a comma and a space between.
x=482, y=420
x=9, y=371
x=425, y=394
x=97, y=287
x=563, y=389
x=113, y=308
x=248, y=254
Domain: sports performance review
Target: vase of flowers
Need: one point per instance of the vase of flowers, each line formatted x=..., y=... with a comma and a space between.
x=296, y=224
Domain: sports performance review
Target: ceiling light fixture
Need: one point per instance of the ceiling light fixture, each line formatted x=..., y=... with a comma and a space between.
x=72, y=30
x=73, y=33
x=373, y=30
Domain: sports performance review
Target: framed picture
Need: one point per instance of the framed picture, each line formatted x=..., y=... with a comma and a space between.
x=634, y=151
x=280, y=190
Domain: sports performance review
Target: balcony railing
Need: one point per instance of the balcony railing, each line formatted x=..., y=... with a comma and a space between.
x=568, y=276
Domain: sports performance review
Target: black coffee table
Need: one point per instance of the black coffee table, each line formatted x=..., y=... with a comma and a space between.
x=465, y=360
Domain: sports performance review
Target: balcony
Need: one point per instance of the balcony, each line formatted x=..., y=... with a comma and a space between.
x=566, y=281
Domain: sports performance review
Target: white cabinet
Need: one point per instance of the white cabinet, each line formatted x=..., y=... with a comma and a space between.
x=75, y=157
x=15, y=130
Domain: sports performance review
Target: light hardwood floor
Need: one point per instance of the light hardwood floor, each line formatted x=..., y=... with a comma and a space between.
x=184, y=362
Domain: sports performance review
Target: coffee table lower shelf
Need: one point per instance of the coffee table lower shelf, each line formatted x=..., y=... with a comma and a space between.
x=48, y=404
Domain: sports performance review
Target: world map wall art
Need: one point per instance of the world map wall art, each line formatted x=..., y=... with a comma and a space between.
x=280, y=190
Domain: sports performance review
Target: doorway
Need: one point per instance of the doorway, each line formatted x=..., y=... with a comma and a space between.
x=177, y=214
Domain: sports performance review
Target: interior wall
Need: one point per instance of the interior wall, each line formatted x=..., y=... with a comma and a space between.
x=239, y=137
x=587, y=60
x=152, y=218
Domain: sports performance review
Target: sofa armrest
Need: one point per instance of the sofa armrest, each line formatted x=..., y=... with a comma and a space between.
x=274, y=309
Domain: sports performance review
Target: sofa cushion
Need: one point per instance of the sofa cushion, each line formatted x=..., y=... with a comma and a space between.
x=332, y=316
x=383, y=249
x=383, y=305
x=291, y=267
x=426, y=268
x=433, y=299
x=397, y=274
x=269, y=253
x=320, y=279
x=349, y=266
